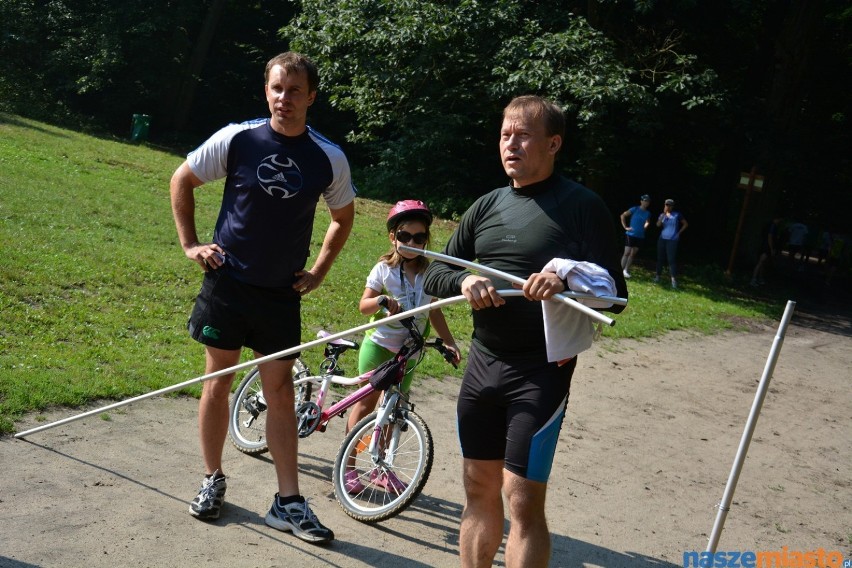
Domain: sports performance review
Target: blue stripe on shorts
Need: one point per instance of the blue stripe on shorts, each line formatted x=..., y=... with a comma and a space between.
x=543, y=446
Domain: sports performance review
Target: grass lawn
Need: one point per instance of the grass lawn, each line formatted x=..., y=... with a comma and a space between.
x=95, y=290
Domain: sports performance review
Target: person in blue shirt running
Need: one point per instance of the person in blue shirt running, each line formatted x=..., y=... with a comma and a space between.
x=635, y=220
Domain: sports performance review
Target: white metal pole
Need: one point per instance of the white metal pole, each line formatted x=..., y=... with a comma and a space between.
x=565, y=297
x=265, y=358
x=762, y=388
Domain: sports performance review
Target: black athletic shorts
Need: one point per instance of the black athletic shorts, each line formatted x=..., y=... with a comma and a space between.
x=230, y=314
x=512, y=410
x=634, y=242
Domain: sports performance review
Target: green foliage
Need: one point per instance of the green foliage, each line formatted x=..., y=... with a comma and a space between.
x=410, y=72
x=429, y=79
x=576, y=67
x=97, y=62
x=663, y=96
x=95, y=291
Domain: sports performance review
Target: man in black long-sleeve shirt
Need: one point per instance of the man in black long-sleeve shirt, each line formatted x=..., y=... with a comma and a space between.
x=512, y=400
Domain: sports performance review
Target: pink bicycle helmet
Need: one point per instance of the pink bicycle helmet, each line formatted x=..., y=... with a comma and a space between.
x=408, y=208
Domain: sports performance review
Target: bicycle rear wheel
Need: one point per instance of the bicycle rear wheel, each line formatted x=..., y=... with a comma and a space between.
x=247, y=419
x=371, y=492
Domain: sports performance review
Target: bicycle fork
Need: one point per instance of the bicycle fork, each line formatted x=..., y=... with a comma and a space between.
x=387, y=416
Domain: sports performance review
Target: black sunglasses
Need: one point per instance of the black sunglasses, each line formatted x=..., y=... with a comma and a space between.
x=405, y=236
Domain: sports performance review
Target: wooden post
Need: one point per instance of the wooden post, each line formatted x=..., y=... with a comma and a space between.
x=755, y=183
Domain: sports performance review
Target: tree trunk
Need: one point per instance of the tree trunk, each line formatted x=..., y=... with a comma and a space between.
x=186, y=93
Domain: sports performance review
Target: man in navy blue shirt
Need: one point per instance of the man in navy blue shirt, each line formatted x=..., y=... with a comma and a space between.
x=275, y=171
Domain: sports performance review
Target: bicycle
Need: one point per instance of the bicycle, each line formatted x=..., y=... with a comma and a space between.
x=390, y=450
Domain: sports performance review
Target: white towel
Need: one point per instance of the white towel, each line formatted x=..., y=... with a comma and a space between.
x=568, y=331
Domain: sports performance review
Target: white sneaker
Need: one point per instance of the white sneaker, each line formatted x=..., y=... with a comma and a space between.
x=626, y=274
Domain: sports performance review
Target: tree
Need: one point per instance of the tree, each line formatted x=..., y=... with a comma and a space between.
x=201, y=48
x=426, y=81
x=98, y=62
x=667, y=97
x=90, y=60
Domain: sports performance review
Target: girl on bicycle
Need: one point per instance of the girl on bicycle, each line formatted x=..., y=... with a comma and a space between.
x=396, y=282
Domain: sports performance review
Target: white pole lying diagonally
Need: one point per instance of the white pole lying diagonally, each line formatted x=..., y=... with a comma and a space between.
x=247, y=364
x=265, y=358
x=737, y=467
x=567, y=297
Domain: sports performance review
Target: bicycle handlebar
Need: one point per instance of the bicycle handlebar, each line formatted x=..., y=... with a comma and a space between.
x=448, y=355
x=417, y=338
x=408, y=323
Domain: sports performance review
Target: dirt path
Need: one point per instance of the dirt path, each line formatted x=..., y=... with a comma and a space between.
x=652, y=432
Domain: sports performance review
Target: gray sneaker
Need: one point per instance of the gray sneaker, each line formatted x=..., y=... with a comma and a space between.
x=210, y=498
x=298, y=519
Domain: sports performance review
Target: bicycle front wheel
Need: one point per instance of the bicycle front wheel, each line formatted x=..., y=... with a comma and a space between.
x=372, y=489
x=247, y=419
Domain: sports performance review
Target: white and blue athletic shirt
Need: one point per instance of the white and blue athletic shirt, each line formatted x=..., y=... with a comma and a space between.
x=272, y=186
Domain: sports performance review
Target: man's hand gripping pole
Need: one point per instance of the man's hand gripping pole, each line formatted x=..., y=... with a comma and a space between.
x=567, y=297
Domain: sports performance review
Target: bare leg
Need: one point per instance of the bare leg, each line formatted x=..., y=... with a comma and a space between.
x=482, y=519
x=625, y=258
x=629, y=256
x=362, y=408
x=213, y=407
x=277, y=379
x=358, y=411
x=528, y=545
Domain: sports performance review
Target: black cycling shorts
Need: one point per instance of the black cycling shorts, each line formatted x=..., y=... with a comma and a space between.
x=512, y=410
x=230, y=314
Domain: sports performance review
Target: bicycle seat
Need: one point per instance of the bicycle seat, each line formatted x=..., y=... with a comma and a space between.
x=345, y=343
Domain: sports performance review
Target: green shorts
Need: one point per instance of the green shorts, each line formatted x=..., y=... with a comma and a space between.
x=371, y=355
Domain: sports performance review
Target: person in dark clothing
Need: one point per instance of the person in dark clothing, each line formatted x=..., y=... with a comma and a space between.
x=768, y=250
x=513, y=397
x=255, y=274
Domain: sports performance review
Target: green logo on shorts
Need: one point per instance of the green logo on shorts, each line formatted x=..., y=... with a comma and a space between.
x=210, y=332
